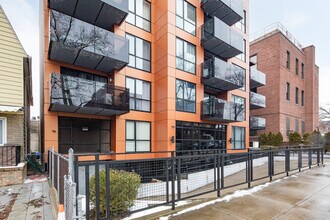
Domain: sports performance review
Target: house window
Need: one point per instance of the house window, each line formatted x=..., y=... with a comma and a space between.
x=302, y=127
x=287, y=126
x=288, y=91
x=240, y=108
x=140, y=93
x=185, y=56
x=297, y=125
x=139, y=14
x=242, y=55
x=139, y=53
x=3, y=130
x=238, y=138
x=186, y=16
x=138, y=135
x=297, y=95
x=241, y=25
x=185, y=96
x=302, y=71
x=297, y=67
x=288, y=59
x=302, y=98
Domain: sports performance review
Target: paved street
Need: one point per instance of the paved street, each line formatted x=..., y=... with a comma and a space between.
x=302, y=196
x=29, y=201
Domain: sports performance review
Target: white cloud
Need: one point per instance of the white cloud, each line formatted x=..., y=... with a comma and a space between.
x=24, y=17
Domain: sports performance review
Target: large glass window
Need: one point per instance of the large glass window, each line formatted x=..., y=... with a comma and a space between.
x=242, y=56
x=139, y=94
x=139, y=14
x=186, y=16
x=139, y=53
x=288, y=125
x=185, y=96
x=2, y=131
x=138, y=136
x=185, y=56
x=238, y=138
x=240, y=109
x=241, y=25
x=297, y=125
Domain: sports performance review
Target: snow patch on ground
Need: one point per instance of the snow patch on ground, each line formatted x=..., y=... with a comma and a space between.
x=20, y=165
x=35, y=180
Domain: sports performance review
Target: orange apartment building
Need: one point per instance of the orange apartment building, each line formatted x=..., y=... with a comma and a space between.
x=138, y=76
x=292, y=82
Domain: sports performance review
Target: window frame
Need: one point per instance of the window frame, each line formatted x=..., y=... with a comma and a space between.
x=184, y=100
x=4, y=130
x=135, y=56
x=136, y=15
x=233, y=138
x=241, y=25
x=234, y=99
x=183, y=18
x=302, y=98
x=287, y=89
x=288, y=125
x=296, y=126
x=297, y=66
x=288, y=59
x=183, y=59
x=135, y=141
x=242, y=56
x=302, y=70
x=135, y=79
x=297, y=96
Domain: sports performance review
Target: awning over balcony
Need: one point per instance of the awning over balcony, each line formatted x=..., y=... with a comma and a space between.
x=257, y=101
x=229, y=11
x=101, y=13
x=76, y=42
x=220, y=39
x=222, y=76
x=76, y=95
x=257, y=78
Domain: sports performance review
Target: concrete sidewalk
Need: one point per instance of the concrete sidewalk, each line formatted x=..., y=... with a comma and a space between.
x=26, y=201
x=305, y=195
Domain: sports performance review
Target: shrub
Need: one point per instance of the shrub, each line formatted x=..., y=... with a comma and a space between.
x=327, y=142
x=271, y=139
x=305, y=138
x=123, y=187
x=278, y=139
x=263, y=139
x=294, y=138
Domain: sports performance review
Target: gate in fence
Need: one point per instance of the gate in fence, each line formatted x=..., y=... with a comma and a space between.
x=164, y=181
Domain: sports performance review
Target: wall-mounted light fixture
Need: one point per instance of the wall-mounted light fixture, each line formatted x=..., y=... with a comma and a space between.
x=84, y=129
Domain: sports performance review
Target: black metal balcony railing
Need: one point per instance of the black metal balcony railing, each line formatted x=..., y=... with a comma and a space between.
x=10, y=155
x=76, y=42
x=222, y=111
x=101, y=13
x=76, y=95
x=257, y=123
x=257, y=101
x=257, y=78
x=220, y=39
x=220, y=75
x=229, y=11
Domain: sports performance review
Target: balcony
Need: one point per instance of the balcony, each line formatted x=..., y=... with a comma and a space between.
x=222, y=76
x=222, y=111
x=76, y=42
x=257, y=78
x=220, y=39
x=257, y=101
x=229, y=11
x=257, y=123
x=101, y=13
x=76, y=95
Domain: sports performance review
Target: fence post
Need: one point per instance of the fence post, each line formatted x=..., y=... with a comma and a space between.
x=318, y=157
x=52, y=165
x=58, y=178
x=179, y=178
x=222, y=171
x=218, y=175
x=287, y=161
x=300, y=159
x=70, y=165
x=270, y=165
x=173, y=180
x=248, y=170
x=167, y=182
x=322, y=152
x=310, y=158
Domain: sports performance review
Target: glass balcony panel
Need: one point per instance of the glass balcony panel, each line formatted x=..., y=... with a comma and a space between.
x=257, y=123
x=257, y=101
x=257, y=78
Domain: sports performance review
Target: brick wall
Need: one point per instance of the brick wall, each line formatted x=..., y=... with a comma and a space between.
x=12, y=175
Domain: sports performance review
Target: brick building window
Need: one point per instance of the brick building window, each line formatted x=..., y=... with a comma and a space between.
x=139, y=14
x=238, y=138
x=297, y=95
x=138, y=135
x=185, y=96
x=287, y=126
x=288, y=91
x=186, y=16
x=288, y=59
x=185, y=56
x=302, y=71
x=139, y=53
x=297, y=67
x=302, y=98
x=3, y=129
x=302, y=127
x=297, y=125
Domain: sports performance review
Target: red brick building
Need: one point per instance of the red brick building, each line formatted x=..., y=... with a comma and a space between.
x=291, y=91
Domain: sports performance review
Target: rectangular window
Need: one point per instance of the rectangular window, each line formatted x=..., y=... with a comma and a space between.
x=138, y=135
x=185, y=96
x=3, y=129
x=302, y=71
x=139, y=14
x=297, y=125
x=185, y=56
x=140, y=94
x=186, y=16
x=139, y=53
x=240, y=108
x=241, y=25
x=288, y=59
x=287, y=126
x=238, y=138
x=302, y=127
x=297, y=95
x=83, y=75
x=242, y=56
x=297, y=67
x=288, y=91
x=302, y=98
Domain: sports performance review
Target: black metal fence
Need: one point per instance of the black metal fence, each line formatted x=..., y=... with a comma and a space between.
x=179, y=176
x=10, y=155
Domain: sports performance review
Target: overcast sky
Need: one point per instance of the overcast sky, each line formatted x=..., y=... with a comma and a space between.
x=307, y=20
